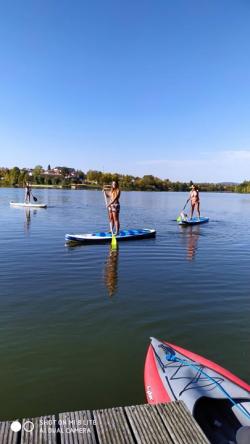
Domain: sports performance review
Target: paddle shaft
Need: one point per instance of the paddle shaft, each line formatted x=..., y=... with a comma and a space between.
x=185, y=205
x=110, y=223
x=113, y=240
x=180, y=217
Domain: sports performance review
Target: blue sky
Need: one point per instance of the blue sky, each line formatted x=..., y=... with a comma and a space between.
x=140, y=87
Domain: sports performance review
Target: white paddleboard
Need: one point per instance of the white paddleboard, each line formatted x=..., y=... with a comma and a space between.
x=28, y=205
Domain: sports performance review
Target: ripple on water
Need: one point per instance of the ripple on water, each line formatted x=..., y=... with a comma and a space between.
x=72, y=319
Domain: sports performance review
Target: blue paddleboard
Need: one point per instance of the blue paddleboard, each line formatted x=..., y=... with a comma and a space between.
x=194, y=221
x=103, y=236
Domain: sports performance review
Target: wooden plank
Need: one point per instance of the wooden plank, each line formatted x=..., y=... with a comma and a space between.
x=112, y=426
x=147, y=425
x=180, y=424
x=40, y=430
x=7, y=436
x=141, y=424
x=77, y=428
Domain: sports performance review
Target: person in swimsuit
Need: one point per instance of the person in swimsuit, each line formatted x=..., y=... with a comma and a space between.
x=113, y=205
x=194, y=198
x=27, y=192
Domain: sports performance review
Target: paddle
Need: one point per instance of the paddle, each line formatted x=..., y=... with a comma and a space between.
x=179, y=218
x=35, y=198
x=113, y=240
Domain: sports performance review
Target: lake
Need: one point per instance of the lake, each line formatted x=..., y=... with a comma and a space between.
x=75, y=322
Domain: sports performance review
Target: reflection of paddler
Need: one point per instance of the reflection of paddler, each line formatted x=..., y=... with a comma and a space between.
x=28, y=218
x=193, y=236
x=190, y=239
x=111, y=271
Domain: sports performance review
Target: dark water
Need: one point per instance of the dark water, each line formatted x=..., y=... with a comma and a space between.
x=75, y=322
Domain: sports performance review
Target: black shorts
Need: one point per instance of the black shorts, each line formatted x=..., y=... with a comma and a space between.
x=114, y=208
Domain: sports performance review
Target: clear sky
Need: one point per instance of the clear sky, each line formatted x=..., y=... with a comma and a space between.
x=141, y=87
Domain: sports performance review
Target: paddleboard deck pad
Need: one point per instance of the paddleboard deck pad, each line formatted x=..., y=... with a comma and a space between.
x=101, y=237
x=218, y=400
x=194, y=221
x=28, y=205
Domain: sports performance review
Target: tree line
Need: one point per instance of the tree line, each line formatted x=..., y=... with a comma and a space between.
x=66, y=177
x=244, y=187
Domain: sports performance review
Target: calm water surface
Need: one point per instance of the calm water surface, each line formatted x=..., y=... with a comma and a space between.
x=75, y=322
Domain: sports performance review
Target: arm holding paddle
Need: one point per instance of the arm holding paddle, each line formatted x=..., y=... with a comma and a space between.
x=115, y=198
x=107, y=194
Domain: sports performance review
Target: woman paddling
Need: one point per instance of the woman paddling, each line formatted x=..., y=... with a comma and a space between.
x=27, y=192
x=194, y=198
x=113, y=205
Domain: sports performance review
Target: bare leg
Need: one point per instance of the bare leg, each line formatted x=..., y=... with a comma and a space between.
x=198, y=209
x=111, y=219
x=192, y=210
x=117, y=222
x=27, y=197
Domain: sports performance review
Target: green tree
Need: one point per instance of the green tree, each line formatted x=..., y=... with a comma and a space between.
x=94, y=176
x=37, y=170
x=80, y=175
x=14, y=176
x=65, y=171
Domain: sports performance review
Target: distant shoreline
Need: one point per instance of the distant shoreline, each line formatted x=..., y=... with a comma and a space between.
x=88, y=187
x=71, y=178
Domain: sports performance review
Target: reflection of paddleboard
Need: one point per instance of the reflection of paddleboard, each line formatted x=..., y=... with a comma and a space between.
x=193, y=221
x=27, y=205
x=107, y=236
x=218, y=400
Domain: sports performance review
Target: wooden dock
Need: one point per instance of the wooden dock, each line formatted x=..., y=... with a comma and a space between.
x=141, y=424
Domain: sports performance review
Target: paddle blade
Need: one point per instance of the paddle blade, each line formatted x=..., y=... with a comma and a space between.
x=113, y=242
x=35, y=198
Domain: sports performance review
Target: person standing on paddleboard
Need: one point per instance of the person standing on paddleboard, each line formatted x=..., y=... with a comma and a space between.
x=194, y=198
x=27, y=192
x=113, y=205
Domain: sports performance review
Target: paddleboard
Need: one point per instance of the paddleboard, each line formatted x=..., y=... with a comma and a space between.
x=27, y=205
x=218, y=400
x=101, y=237
x=193, y=221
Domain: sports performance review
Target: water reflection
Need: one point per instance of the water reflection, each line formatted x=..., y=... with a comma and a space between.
x=191, y=240
x=27, y=219
x=111, y=271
